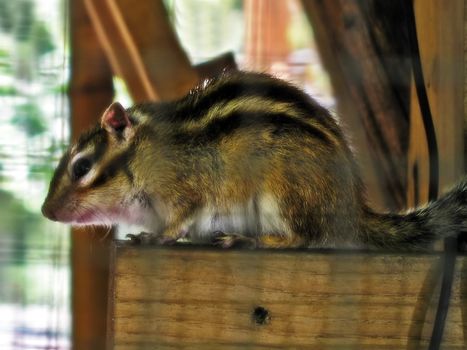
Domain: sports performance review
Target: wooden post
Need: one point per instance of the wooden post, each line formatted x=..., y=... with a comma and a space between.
x=440, y=27
x=90, y=93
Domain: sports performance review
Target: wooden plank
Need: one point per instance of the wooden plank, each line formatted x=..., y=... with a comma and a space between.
x=91, y=91
x=440, y=29
x=142, y=48
x=192, y=297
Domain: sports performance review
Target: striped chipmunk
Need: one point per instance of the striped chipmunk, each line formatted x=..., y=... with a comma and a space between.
x=243, y=159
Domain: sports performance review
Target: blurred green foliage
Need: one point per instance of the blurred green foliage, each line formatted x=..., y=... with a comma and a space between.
x=41, y=39
x=32, y=38
x=28, y=117
x=7, y=17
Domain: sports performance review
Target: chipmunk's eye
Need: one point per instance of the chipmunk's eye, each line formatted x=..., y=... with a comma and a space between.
x=81, y=168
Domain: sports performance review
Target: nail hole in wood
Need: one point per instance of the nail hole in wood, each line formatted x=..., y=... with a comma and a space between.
x=261, y=315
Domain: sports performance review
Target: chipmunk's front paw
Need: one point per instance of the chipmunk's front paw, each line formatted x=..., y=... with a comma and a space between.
x=229, y=240
x=142, y=238
x=147, y=238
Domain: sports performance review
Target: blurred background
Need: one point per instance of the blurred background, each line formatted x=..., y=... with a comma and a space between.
x=34, y=128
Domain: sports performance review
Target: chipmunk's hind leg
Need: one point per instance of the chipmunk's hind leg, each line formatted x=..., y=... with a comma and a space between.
x=232, y=240
x=280, y=241
x=226, y=240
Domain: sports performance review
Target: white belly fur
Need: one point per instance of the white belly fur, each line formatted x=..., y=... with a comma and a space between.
x=248, y=219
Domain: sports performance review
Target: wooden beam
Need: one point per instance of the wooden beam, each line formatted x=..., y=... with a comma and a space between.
x=366, y=54
x=91, y=91
x=193, y=297
x=142, y=48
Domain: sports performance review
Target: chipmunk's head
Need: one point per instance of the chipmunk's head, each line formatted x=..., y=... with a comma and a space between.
x=93, y=183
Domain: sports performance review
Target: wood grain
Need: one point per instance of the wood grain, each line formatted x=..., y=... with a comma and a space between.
x=440, y=29
x=188, y=297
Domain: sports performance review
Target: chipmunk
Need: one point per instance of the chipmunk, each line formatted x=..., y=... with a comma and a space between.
x=243, y=158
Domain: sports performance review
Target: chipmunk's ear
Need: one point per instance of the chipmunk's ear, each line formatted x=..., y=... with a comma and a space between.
x=116, y=121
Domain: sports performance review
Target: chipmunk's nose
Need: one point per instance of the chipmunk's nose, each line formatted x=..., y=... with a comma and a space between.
x=48, y=212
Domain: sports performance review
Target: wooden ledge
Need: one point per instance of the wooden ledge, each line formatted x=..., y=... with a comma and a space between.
x=194, y=297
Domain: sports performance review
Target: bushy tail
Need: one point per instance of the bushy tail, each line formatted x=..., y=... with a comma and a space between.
x=420, y=228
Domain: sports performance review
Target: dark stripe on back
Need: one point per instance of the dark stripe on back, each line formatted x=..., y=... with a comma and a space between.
x=280, y=123
x=196, y=105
